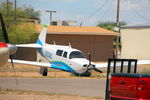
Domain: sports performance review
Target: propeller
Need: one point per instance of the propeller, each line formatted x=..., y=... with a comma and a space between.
x=93, y=66
x=12, y=48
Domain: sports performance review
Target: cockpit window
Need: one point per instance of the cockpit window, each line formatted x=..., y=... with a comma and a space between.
x=59, y=52
x=65, y=54
x=76, y=54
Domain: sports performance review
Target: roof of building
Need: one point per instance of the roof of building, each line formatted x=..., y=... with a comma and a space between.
x=143, y=25
x=76, y=30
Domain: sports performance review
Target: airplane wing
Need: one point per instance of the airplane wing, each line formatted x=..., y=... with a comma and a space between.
x=105, y=64
x=31, y=63
x=49, y=65
x=30, y=45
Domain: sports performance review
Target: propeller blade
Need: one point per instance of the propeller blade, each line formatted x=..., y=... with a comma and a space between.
x=97, y=70
x=5, y=35
x=11, y=58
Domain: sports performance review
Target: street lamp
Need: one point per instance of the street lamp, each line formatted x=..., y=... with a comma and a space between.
x=50, y=14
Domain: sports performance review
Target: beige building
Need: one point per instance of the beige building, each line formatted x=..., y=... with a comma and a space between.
x=136, y=42
x=94, y=40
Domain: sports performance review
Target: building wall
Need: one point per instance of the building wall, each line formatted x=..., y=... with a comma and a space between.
x=100, y=47
x=26, y=54
x=135, y=43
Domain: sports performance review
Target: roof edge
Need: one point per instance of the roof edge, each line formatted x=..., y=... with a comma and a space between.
x=82, y=33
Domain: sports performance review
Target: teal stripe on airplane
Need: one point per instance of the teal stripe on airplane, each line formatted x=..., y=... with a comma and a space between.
x=62, y=66
x=39, y=42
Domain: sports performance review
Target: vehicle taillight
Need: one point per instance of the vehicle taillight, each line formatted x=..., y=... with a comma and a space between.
x=140, y=85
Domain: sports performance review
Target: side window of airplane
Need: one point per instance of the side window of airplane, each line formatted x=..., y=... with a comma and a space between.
x=59, y=52
x=65, y=54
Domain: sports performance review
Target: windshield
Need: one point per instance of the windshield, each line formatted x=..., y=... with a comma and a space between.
x=76, y=54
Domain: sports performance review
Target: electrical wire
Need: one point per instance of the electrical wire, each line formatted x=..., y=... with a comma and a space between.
x=95, y=12
x=106, y=11
x=136, y=12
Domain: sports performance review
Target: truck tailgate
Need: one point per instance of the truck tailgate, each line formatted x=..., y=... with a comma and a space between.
x=130, y=86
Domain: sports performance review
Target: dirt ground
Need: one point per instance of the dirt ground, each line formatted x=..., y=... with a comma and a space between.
x=29, y=71
x=33, y=72
x=28, y=95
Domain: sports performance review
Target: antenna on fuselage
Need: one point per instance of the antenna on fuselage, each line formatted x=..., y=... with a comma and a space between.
x=54, y=42
x=70, y=45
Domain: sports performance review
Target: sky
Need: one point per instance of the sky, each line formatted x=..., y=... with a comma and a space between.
x=91, y=12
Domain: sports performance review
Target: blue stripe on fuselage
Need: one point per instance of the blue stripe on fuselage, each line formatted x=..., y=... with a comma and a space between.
x=62, y=66
x=39, y=42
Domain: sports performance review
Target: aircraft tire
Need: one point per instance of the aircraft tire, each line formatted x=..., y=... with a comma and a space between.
x=86, y=74
x=43, y=71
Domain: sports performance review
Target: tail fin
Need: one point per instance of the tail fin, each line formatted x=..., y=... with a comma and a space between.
x=42, y=36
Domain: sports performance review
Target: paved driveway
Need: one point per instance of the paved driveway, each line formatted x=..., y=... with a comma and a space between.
x=82, y=87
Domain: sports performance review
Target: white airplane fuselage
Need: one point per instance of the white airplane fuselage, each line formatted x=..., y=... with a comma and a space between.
x=65, y=58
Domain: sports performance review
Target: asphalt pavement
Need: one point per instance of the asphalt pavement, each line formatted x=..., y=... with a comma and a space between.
x=81, y=87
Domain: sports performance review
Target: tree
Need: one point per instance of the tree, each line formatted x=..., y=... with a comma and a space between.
x=110, y=25
x=31, y=12
x=18, y=31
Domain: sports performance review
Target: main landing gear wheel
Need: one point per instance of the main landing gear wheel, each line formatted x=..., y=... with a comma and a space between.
x=43, y=71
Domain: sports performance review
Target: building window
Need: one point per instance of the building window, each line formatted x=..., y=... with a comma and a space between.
x=54, y=23
x=59, y=52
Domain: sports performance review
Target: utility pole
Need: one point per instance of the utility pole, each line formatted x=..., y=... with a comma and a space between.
x=15, y=11
x=118, y=26
x=50, y=14
x=118, y=12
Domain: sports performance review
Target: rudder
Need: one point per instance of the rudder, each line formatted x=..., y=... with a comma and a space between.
x=42, y=37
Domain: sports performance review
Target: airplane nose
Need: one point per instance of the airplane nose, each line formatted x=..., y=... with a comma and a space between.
x=12, y=48
x=89, y=66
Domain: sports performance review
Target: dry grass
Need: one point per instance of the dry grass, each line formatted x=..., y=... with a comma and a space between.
x=33, y=72
x=8, y=94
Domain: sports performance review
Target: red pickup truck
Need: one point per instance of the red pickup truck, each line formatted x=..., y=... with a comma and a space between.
x=127, y=86
x=124, y=84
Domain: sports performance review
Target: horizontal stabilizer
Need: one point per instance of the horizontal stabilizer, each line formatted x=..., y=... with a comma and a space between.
x=31, y=63
x=140, y=62
x=29, y=45
x=105, y=64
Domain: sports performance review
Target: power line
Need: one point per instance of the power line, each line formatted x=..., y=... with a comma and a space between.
x=106, y=11
x=136, y=12
x=95, y=12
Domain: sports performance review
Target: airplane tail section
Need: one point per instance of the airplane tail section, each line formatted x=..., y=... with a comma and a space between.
x=40, y=42
x=42, y=37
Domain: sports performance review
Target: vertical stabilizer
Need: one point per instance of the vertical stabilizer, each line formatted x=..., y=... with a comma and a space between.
x=42, y=37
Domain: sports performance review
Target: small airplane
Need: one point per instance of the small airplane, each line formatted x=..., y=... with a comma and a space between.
x=60, y=57
x=6, y=49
